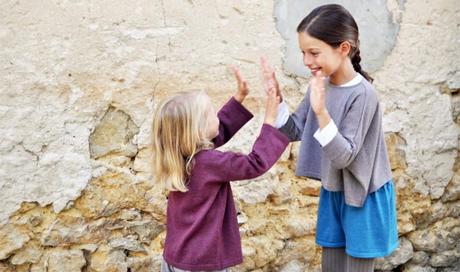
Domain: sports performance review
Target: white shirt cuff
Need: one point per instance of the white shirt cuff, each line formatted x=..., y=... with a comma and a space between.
x=283, y=115
x=325, y=135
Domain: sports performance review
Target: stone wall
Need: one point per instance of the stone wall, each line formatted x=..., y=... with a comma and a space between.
x=80, y=80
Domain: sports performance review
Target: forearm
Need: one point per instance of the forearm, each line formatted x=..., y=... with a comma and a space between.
x=239, y=97
x=232, y=117
x=323, y=118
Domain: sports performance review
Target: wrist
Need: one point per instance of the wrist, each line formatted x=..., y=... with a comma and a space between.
x=270, y=121
x=240, y=98
x=323, y=118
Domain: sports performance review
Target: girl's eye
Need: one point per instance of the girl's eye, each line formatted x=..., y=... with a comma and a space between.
x=314, y=54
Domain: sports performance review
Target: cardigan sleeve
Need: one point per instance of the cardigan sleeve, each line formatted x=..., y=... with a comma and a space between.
x=232, y=166
x=232, y=117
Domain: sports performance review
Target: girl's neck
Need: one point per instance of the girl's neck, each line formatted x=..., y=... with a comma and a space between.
x=344, y=73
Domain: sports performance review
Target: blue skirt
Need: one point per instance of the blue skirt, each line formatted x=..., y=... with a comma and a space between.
x=370, y=231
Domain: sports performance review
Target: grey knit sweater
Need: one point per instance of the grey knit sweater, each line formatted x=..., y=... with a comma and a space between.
x=356, y=160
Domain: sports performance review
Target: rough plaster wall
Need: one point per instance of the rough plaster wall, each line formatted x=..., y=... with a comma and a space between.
x=412, y=83
x=64, y=63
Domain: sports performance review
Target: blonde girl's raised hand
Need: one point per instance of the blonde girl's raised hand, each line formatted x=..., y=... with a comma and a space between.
x=318, y=98
x=271, y=107
x=268, y=77
x=242, y=84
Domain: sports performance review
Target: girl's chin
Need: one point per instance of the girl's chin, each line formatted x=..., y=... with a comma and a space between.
x=315, y=72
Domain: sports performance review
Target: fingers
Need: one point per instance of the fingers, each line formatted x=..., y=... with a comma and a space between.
x=318, y=81
x=237, y=74
x=245, y=85
x=241, y=82
x=264, y=63
x=272, y=97
x=267, y=70
x=268, y=76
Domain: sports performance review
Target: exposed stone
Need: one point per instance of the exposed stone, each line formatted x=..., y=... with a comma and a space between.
x=441, y=236
x=299, y=226
x=293, y=266
x=456, y=108
x=452, y=192
x=454, y=268
x=418, y=268
x=143, y=161
x=256, y=190
x=129, y=243
x=310, y=257
x=4, y=267
x=130, y=214
x=395, y=146
x=58, y=260
x=30, y=253
x=144, y=263
x=110, y=193
x=420, y=258
x=105, y=259
x=11, y=239
x=403, y=254
x=446, y=258
x=309, y=187
x=267, y=249
x=145, y=230
x=113, y=135
x=68, y=230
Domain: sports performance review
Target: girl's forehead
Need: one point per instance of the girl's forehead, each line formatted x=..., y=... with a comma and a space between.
x=308, y=42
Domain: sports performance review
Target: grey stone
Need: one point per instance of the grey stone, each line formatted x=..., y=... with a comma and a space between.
x=418, y=268
x=30, y=253
x=445, y=258
x=403, y=254
x=452, y=191
x=11, y=239
x=420, y=258
x=114, y=135
x=293, y=266
x=441, y=236
x=129, y=243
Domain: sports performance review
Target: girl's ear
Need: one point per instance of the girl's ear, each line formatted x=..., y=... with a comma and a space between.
x=345, y=48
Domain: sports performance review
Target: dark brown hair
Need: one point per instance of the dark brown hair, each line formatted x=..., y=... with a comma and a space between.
x=333, y=24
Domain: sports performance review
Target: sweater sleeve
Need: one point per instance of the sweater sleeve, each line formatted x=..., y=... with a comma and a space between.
x=295, y=124
x=232, y=117
x=232, y=166
x=347, y=143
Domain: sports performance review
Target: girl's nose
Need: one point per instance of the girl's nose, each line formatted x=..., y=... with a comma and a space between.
x=307, y=60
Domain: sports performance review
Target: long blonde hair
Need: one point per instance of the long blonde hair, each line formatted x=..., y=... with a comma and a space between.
x=179, y=132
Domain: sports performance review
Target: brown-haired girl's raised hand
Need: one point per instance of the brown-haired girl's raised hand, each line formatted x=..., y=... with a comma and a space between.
x=242, y=84
x=268, y=77
x=318, y=98
x=271, y=107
